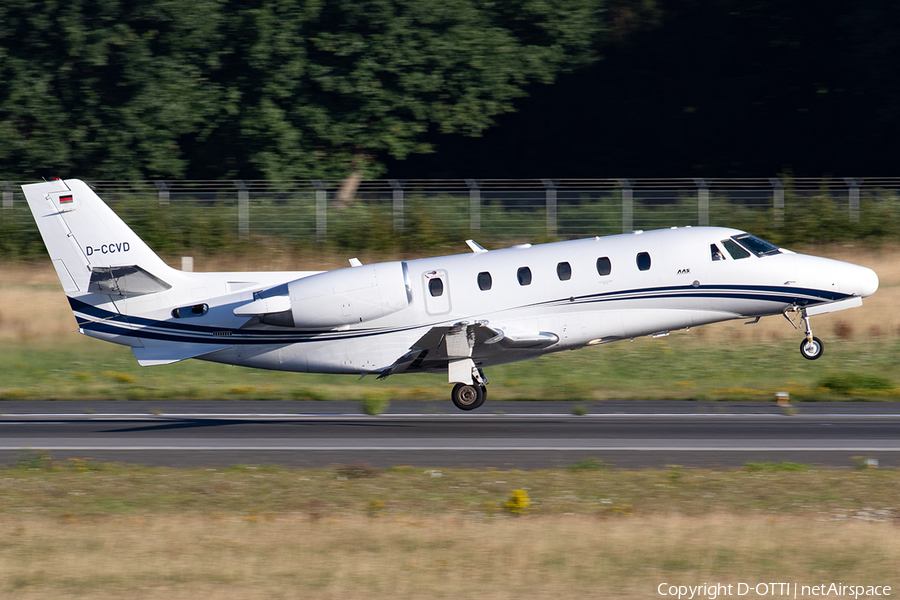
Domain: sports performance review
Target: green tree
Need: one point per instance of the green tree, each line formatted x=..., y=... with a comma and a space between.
x=103, y=88
x=323, y=90
x=287, y=89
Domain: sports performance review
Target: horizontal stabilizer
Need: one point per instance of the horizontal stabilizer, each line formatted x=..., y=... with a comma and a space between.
x=129, y=280
x=164, y=355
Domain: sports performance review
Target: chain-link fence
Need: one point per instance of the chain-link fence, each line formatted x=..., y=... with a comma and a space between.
x=389, y=214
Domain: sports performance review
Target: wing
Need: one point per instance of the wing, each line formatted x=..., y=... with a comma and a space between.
x=441, y=348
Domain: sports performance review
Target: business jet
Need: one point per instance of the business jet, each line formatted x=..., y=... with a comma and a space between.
x=450, y=314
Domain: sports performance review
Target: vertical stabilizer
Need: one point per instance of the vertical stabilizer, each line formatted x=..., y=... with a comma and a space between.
x=85, y=237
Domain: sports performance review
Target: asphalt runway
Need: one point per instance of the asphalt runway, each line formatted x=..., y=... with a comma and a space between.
x=505, y=435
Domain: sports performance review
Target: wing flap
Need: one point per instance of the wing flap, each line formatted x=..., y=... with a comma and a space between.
x=538, y=339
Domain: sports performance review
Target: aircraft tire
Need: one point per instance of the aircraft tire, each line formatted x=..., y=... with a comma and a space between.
x=468, y=397
x=812, y=350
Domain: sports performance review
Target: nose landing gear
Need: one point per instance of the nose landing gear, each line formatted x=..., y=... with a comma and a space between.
x=812, y=347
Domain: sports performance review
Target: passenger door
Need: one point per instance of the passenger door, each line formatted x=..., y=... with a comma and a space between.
x=437, y=292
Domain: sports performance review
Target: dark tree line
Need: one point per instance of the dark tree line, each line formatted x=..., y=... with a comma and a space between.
x=740, y=88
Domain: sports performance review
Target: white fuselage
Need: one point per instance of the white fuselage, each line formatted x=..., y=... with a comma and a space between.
x=683, y=287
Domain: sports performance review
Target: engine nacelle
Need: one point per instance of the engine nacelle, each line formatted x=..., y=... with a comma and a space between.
x=342, y=297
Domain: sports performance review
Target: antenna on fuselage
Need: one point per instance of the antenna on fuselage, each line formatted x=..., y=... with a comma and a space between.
x=475, y=246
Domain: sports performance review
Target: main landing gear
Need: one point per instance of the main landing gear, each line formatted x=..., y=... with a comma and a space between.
x=469, y=396
x=811, y=348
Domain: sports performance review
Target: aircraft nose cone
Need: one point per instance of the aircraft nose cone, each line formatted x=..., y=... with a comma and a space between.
x=867, y=282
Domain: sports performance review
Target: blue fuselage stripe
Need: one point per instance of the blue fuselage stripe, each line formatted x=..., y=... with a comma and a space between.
x=103, y=321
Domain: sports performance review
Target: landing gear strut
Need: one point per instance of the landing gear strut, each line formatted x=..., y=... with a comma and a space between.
x=469, y=396
x=812, y=347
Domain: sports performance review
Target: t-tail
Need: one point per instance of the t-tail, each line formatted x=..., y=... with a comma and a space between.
x=101, y=263
x=96, y=255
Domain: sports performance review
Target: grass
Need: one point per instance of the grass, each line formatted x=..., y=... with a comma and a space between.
x=551, y=557
x=81, y=530
x=84, y=489
x=676, y=367
x=671, y=368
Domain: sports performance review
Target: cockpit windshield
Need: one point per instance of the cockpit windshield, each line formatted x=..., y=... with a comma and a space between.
x=755, y=245
x=735, y=249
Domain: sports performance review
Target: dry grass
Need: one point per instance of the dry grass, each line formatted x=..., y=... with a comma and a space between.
x=32, y=303
x=80, y=489
x=78, y=530
x=287, y=556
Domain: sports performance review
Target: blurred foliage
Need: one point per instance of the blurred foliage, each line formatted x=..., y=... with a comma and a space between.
x=289, y=89
x=820, y=217
x=590, y=463
x=772, y=467
x=846, y=383
x=375, y=402
x=438, y=224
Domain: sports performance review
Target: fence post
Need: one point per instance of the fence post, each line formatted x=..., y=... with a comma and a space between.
x=474, y=206
x=627, y=206
x=777, y=200
x=397, y=186
x=550, y=187
x=702, y=202
x=321, y=207
x=854, y=198
x=7, y=196
x=163, y=189
x=243, y=208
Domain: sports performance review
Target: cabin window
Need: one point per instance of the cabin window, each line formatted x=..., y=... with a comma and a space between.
x=604, y=266
x=643, y=261
x=186, y=312
x=524, y=276
x=734, y=250
x=484, y=281
x=564, y=271
x=715, y=253
x=436, y=287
